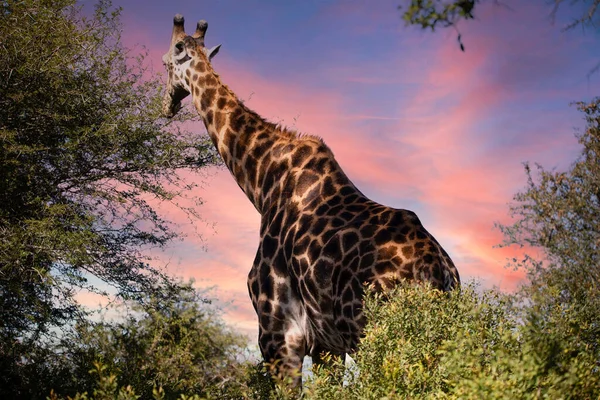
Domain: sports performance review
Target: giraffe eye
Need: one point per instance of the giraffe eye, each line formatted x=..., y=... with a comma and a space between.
x=179, y=46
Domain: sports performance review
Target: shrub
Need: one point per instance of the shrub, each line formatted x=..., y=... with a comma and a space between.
x=179, y=344
x=421, y=343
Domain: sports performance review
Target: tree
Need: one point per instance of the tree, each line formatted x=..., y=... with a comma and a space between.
x=84, y=159
x=559, y=214
x=178, y=344
x=434, y=13
x=430, y=14
x=169, y=346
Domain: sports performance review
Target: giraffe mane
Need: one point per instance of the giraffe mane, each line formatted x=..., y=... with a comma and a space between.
x=285, y=131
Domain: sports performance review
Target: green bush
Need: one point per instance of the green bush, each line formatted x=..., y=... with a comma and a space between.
x=420, y=343
x=179, y=345
x=83, y=150
x=253, y=383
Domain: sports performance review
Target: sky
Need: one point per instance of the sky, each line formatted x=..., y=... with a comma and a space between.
x=414, y=122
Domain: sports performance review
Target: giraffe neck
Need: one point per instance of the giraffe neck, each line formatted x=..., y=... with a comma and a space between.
x=243, y=139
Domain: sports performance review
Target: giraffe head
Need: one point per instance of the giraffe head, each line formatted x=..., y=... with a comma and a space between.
x=183, y=50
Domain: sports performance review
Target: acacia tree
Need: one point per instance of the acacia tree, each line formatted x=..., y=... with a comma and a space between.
x=84, y=159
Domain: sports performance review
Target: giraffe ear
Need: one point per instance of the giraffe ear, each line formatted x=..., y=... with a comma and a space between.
x=210, y=53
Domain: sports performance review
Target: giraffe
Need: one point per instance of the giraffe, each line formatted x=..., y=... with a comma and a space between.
x=321, y=239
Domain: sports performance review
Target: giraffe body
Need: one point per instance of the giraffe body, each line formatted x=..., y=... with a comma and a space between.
x=321, y=239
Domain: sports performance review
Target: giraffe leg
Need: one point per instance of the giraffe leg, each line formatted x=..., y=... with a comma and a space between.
x=284, y=350
x=282, y=322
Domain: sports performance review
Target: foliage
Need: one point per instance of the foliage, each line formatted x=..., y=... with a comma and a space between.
x=176, y=346
x=420, y=343
x=84, y=159
x=107, y=388
x=429, y=14
x=559, y=214
x=404, y=350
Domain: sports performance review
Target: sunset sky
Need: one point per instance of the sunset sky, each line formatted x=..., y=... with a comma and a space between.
x=415, y=122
